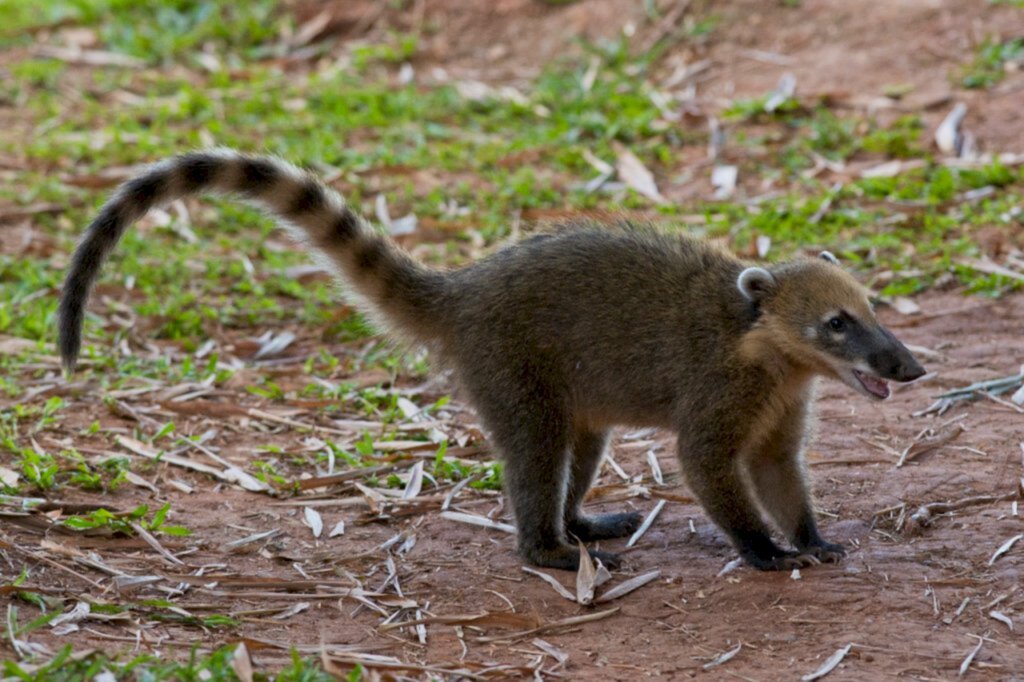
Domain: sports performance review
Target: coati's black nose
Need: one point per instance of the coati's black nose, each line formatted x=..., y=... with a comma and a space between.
x=911, y=370
x=893, y=360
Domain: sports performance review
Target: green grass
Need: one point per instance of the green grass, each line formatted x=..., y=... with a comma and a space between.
x=989, y=65
x=494, y=156
x=68, y=667
x=156, y=31
x=469, y=166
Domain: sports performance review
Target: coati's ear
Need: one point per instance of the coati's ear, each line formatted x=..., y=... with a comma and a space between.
x=755, y=283
x=827, y=255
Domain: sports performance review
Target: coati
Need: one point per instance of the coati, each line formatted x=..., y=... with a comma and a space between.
x=559, y=338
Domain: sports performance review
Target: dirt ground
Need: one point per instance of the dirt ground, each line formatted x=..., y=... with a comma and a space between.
x=914, y=604
x=913, y=600
x=847, y=52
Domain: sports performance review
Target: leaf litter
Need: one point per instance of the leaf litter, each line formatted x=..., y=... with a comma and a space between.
x=369, y=572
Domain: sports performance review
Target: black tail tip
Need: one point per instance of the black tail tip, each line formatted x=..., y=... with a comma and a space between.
x=69, y=343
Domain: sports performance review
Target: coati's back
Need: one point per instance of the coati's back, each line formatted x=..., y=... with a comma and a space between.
x=621, y=319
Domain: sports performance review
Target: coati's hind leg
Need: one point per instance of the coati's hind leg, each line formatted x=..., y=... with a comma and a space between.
x=715, y=479
x=587, y=451
x=533, y=434
x=780, y=483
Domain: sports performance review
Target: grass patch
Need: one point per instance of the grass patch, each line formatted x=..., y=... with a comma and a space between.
x=66, y=666
x=990, y=63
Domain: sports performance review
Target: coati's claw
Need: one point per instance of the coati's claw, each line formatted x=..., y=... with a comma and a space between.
x=827, y=552
x=786, y=561
x=605, y=526
x=568, y=558
x=808, y=560
x=611, y=560
x=823, y=553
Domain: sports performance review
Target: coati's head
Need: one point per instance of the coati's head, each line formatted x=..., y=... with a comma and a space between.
x=820, y=318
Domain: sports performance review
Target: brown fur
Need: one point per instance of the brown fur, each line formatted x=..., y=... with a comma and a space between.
x=562, y=337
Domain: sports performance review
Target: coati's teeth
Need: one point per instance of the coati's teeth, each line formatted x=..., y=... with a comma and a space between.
x=873, y=385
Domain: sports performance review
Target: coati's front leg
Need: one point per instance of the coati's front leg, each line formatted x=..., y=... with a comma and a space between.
x=780, y=482
x=712, y=471
x=587, y=451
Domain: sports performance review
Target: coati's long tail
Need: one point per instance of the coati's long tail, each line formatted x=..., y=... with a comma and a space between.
x=399, y=290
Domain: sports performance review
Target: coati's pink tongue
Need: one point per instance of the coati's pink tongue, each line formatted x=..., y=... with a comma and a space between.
x=874, y=385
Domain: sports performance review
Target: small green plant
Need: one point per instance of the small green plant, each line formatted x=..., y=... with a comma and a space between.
x=399, y=48
x=768, y=106
x=989, y=65
x=214, y=665
x=122, y=523
x=487, y=475
x=901, y=140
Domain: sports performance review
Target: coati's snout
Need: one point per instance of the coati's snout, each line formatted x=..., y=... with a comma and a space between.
x=864, y=355
x=820, y=317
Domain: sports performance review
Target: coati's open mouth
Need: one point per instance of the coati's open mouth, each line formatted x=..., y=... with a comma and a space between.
x=877, y=388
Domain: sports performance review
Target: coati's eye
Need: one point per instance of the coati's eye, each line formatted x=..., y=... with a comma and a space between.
x=837, y=324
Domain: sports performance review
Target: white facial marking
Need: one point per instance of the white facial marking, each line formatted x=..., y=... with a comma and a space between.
x=828, y=316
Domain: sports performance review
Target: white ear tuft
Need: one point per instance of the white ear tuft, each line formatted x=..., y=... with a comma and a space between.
x=755, y=282
x=827, y=255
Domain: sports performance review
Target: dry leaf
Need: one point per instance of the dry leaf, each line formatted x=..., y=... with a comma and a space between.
x=723, y=179
x=829, y=665
x=634, y=173
x=74, y=55
x=646, y=524
x=313, y=520
x=1002, y=618
x=729, y=567
x=722, y=658
x=586, y=577
x=415, y=484
x=1004, y=548
x=905, y=306
x=652, y=461
x=948, y=137
x=475, y=520
x=496, y=619
x=783, y=91
x=970, y=657
x=929, y=440
x=550, y=580
x=292, y=610
x=241, y=663
x=551, y=650
x=625, y=588
x=9, y=477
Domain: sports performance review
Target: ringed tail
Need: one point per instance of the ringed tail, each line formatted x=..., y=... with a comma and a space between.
x=402, y=293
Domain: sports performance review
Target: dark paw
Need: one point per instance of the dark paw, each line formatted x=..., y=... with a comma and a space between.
x=605, y=526
x=826, y=552
x=611, y=560
x=783, y=561
x=567, y=557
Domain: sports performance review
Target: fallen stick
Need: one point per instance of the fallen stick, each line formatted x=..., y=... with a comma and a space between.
x=925, y=513
x=970, y=657
x=646, y=524
x=232, y=475
x=155, y=544
x=565, y=622
x=926, y=443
